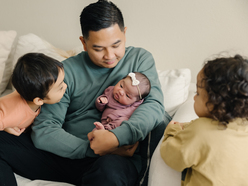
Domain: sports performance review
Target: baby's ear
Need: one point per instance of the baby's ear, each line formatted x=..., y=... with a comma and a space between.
x=38, y=101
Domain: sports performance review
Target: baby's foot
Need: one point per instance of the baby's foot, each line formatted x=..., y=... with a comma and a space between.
x=99, y=126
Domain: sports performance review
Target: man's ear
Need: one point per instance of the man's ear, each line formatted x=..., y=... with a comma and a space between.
x=125, y=29
x=38, y=101
x=83, y=42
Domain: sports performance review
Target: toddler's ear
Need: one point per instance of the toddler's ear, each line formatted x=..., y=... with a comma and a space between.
x=38, y=101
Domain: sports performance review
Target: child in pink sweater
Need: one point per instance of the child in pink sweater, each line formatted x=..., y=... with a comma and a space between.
x=38, y=79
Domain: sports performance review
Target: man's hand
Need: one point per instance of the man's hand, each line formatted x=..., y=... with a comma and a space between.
x=103, y=142
x=127, y=150
x=15, y=131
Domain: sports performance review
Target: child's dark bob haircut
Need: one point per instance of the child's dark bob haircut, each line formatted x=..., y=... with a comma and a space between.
x=33, y=75
x=226, y=82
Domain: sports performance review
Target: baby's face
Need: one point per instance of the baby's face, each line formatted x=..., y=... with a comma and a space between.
x=125, y=93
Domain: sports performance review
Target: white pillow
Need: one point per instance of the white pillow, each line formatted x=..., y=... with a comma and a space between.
x=160, y=174
x=186, y=112
x=21, y=181
x=6, y=41
x=32, y=43
x=175, y=86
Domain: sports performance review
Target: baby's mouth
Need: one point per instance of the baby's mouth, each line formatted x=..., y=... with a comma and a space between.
x=116, y=96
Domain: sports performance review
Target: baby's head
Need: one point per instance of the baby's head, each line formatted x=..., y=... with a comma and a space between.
x=134, y=87
x=222, y=85
x=38, y=76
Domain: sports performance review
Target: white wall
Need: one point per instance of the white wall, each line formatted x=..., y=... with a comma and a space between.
x=179, y=33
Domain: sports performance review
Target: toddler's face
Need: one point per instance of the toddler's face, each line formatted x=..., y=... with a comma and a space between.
x=201, y=97
x=125, y=93
x=57, y=90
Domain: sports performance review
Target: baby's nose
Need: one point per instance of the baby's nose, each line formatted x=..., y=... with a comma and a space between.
x=121, y=92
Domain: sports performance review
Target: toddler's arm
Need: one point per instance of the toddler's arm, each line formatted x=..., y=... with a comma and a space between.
x=177, y=123
x=180, y=147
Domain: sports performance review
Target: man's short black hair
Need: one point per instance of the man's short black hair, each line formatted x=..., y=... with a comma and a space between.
x=100, y=15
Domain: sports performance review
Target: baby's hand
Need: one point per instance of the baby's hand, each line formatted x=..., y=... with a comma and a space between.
x=15, y=131
x=98, y=125
x=103, y=100
x=175, y=122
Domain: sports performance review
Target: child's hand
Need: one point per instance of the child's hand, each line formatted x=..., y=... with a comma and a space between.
x=175, y=122
x=15, y=131
x=126, y=150
x=103, y=100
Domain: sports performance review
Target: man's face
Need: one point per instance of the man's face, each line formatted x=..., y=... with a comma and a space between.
x=105, y=47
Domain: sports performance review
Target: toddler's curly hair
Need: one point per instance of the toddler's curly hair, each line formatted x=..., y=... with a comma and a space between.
x=226, y=82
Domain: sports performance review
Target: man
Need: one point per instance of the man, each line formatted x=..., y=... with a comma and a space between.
x=67, y=150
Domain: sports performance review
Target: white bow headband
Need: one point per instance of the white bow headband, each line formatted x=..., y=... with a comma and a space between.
x=135, y=82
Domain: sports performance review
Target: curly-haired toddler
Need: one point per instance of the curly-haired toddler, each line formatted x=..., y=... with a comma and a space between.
x=214, y=147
